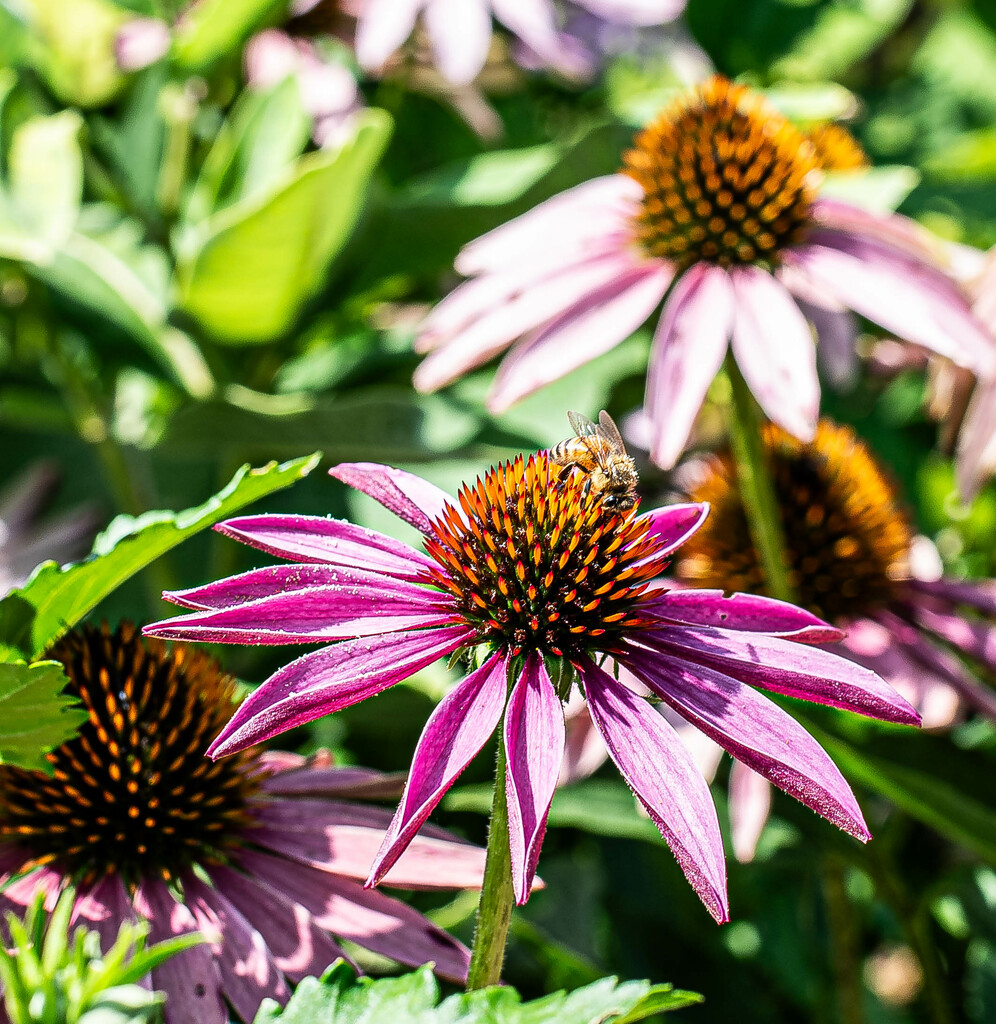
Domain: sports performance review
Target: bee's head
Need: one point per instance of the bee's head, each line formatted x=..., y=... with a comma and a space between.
x=619, y=501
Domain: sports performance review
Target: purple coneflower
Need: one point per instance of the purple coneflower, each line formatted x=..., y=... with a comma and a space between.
x=853, y=560
x=717, y=207
x=538, y=580
x=263, y=852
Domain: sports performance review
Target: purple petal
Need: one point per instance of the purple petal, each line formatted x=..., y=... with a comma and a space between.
x=534, y=744
x=891, y=229
x=341, y=610
x=249, y=972
x=460, y=34
x=103, y=908
x=298, y=946
x=408, y=496
x=333, y=678
x=659, y=770
x=589, y=328
x=756, y=731
x=971, y=638
x=672, y=525
x=977, y=439
x=750, y=805
x=837, y=332
x=190, y=979
x=363, y=916
x=783, y=666
x=306, y=779
x=382, y=26
x=774, y=349
x=748, y=612
x=689, y=346
x=456, y=730
x=977, y=594
x=333, y=541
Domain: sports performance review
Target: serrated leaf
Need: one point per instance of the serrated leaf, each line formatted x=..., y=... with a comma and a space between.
x=35, y=715
x=342, y=998
x=56, y=598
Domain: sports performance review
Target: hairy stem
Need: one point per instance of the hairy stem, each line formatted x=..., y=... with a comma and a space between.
x=494, y=912
x=757, y=490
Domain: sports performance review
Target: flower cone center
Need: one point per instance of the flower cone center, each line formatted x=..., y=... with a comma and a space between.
x=538, y=563
x=836, y=148
x=726, y=179
x=133, y=792
x=847, y=538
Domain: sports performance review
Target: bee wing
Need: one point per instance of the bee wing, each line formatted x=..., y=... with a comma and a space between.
x=586, y=431
x=608, y=430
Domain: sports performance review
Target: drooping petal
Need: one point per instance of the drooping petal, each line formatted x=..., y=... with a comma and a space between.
x=589, y=328
x=977, y=440
x=749, y=612
x=313, y=615
x=774, y=349
x=689, y=347
x=332, y=541
x=383, y=26
x=977, y=594
x=408, y=496
x=456, y=730
x=304, y=779
x=750, y=805
x=248, y=970
x=363, y=916
x=584, y=751
x=672, y=525
x=103, y=908
x=783, y=666
x=298, y=946
x=636, y=12
x=891, y=230
x=972, y=638
x=652, y=759
x=325, y=681
x=756, y=731
x=460, y=35
x=836, y=333
x=190, y=979
x=534, y=746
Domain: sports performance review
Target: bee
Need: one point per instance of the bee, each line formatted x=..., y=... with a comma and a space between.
x=598, y=452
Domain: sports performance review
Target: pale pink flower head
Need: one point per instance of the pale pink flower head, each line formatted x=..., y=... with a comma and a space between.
x=459, y=33
x=263, y=853
x=536, y=579
x=718, y=209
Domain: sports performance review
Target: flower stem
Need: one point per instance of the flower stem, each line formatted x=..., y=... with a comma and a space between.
x=757, y=490
x=494, y=912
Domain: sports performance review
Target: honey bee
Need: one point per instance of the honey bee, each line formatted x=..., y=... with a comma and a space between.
x=598, y=452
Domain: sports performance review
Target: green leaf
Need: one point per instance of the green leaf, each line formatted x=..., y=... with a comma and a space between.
x=813, y=101
x=879, y=189
x=56, y=598
x=341, y=998
x=246, y=272
x=35, y=715
x=213, y=28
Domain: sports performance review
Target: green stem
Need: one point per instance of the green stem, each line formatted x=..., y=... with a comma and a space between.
x=494, y=912
x=844, y=945
x=757, y=490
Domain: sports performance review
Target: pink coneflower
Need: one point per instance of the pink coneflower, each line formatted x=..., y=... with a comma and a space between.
x=537, y=579
x=264, y=853
x=717, y=208
x=852, y=560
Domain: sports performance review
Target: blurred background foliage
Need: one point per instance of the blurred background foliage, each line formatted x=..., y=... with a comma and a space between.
x=188, y=283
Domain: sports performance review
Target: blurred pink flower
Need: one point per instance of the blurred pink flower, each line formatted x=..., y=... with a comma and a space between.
x=527, y=569
x=264, y=853
x=329, y=91
x=717, y=210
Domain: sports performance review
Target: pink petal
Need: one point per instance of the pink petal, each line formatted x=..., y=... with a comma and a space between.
x=493, y=332
x=652, y=759
x=325, y=681
x=600, y=206
x=774, y=349
x=534, y=23
x=350, y=783
x=783, y=666
x=756, y=731
x=584, y=751
x=689, y=346
x=408, y=496
x=332, y=541
x=891, y=230
x=382, y=26
x=672, y=525
x=456, y=730
x=248, y=969
x=534, y=744
x=743, y=612
x=750, y=805
x=976, y=457
x=592, y=326
x=635, y=12
x=190, y=979
x=298, y=946
x=314, y=615
x=103, y=908
x=460, y=34
x=836, y=332
x=971, y=638
x=363, y=916
x=977, y=594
